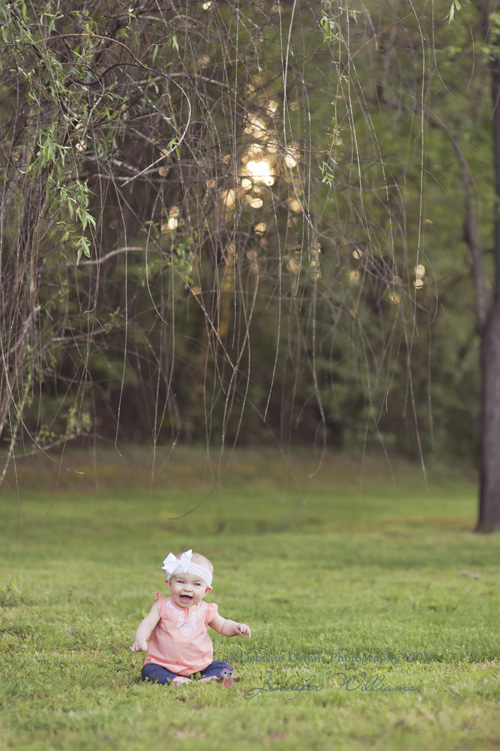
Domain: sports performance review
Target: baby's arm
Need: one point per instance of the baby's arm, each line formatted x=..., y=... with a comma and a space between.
x=229, y=628
x=145, y=629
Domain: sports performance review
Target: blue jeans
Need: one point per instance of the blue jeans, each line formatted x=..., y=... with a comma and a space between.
x=158, y=674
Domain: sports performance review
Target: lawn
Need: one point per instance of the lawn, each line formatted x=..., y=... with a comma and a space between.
x=374, y=608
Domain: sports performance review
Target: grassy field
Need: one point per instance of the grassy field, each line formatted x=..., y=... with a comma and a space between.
x=374, y=609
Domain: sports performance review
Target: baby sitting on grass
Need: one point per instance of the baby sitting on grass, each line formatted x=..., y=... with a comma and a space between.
x=174, y=632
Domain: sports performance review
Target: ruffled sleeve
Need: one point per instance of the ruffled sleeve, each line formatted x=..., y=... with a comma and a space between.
x=161, y=604
x=211, y=612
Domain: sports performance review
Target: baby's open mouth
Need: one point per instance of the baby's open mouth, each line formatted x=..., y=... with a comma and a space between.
x=186, y=598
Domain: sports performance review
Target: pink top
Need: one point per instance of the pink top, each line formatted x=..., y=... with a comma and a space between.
x=180, y=640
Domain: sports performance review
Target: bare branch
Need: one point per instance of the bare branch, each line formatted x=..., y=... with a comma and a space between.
x=95, y=261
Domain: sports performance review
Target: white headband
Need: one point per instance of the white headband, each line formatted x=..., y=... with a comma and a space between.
x=173, y=565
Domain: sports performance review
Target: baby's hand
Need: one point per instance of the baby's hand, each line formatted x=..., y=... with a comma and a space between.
x=139, y=646
x=227, y=627
x=243, y=630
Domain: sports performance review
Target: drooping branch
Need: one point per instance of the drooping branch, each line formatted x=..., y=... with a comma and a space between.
x=471, y=233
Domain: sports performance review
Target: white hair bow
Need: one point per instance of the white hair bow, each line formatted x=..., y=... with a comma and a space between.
x=172, y=563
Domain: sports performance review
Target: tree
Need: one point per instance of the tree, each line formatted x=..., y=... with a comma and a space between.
x=191, y=189
x=172, y=202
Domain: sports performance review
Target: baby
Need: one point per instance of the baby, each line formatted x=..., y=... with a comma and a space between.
x=176, y=626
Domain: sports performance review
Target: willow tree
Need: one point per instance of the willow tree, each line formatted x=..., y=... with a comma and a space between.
x=200, y=236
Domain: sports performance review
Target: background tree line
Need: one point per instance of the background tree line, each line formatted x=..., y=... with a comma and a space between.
x=242, y=222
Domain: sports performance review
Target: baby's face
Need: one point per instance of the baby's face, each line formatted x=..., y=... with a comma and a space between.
x=187, y=590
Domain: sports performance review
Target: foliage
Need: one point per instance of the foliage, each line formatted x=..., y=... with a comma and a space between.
x=214, y=221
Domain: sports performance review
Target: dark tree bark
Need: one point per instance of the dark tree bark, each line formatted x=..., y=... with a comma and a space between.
x=489, y=498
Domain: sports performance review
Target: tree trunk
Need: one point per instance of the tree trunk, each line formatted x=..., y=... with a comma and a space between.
x=489, y=499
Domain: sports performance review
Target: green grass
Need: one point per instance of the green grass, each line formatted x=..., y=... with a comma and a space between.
x=330, y=571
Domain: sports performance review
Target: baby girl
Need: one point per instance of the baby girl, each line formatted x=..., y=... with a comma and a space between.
x=174, y=632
